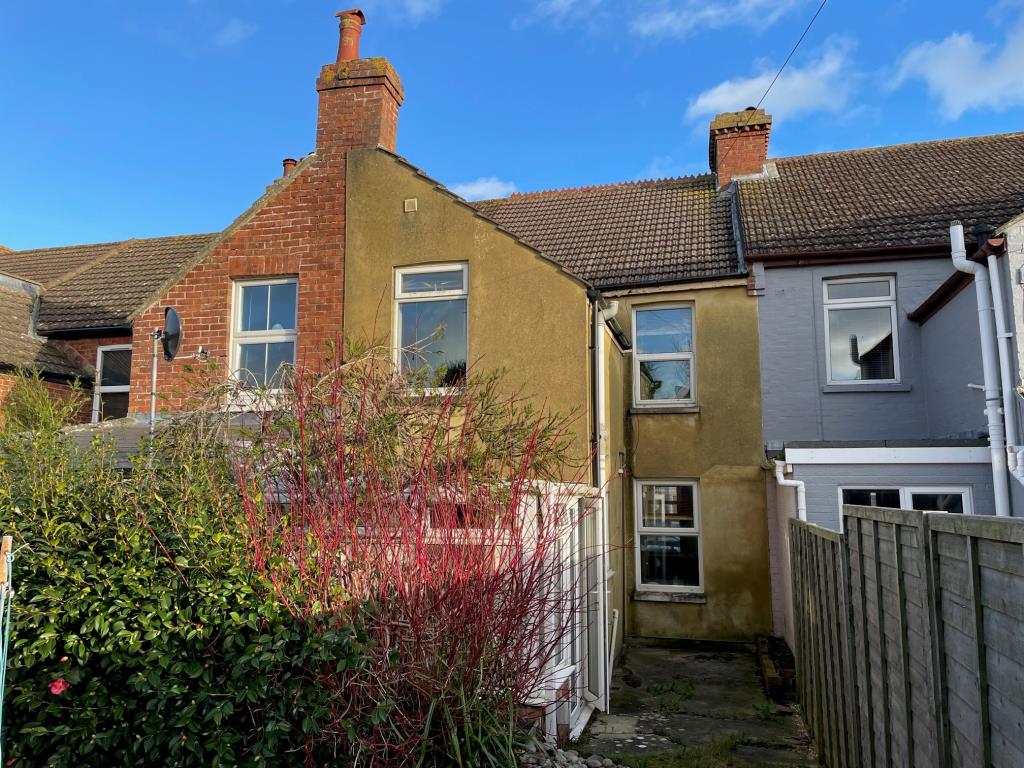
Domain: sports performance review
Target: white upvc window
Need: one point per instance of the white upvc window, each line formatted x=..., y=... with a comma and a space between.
x=264, y=325
x=431, y=344
x=861, y=343
x=669, y=552
x=956, y=499
x=113, y=382
x=663, y=355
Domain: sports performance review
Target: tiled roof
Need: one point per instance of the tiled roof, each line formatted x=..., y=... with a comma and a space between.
x=888, y=197
x=627, y=234
x=99, y=286
x=19, y=348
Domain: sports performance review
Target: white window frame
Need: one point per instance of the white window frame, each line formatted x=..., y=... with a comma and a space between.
x=640, y=529
x=639, y=358
x=414, y=297
x=861, y=303
x=907, y=491
x=98, y=389
x=240, y=337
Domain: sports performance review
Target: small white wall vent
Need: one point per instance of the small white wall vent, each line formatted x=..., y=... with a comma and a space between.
x=411, y=205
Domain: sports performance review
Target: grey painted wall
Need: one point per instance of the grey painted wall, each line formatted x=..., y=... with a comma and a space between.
x=823, y=481
x=799, y=405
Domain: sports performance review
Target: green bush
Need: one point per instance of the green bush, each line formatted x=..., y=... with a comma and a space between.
x=135, y=590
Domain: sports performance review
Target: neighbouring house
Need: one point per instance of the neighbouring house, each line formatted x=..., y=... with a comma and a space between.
x=872, y=376
x=627, y=304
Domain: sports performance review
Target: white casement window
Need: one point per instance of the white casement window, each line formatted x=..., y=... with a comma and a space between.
x=861, y=344
x=955, y=499
x=430, y=324
x=669, y=554
x=264, y=330
x=113, y=382
x=663, y=355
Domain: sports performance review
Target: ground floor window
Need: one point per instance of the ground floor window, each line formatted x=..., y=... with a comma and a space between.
x=113, y=379
x=954, y=499
x=668, y=551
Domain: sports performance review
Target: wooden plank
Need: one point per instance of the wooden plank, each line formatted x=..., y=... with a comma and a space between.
x=978, y=526
x=850, y=660
x=904, y=644
x=1004, y=556
x=938, y=662
x=883, y=666
x=971, y=549
x=1002, y=591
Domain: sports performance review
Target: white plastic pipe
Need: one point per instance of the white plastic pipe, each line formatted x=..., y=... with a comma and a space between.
x=801, y=493
x=1013, y=448
x=989, y=365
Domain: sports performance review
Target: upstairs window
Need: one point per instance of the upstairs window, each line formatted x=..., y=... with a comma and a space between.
x=113, y=377
x=266, y=315
x=663, y=355
x=860, y=330
x=430, y=324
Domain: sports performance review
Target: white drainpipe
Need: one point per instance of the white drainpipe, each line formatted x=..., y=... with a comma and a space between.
x=801, y=494
x=989, y=365
x=1013, y=448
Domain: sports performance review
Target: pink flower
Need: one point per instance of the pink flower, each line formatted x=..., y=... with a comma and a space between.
x=58, y=686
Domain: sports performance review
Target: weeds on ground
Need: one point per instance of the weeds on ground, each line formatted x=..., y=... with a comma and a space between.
x=718, y=753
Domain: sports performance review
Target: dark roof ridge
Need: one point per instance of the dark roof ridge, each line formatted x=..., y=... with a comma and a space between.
x=890, y=147
x=610, y=186
x=99, y=259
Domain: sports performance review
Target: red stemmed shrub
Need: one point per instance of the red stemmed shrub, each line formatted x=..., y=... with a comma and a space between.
x=426, y=519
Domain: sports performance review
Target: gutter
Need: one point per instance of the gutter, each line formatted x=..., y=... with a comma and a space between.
x=990, y=364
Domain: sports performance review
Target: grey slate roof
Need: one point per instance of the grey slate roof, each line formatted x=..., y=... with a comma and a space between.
x=100, y=286
x=19, y=348
x=888, y=197
x=627, y=234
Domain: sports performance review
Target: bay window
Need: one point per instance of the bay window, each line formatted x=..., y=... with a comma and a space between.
x=430, y=324
x=861, y=343
x=663, y=355
x=668, y=545
x=265, y=321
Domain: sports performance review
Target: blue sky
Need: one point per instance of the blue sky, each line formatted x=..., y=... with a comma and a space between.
x=132, y=119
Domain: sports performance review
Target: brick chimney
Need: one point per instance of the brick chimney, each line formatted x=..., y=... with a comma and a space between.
x=738, y=144
x=359, y=98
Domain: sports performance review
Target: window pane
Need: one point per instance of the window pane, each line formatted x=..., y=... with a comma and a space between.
x=420, y=282
x=938, y=502
x=670, y=560
x=433, y=335
x=861, y=344
x=279, y=354
x=116, y=368
x=254, y=307
x=282, y=307
x=665, y=380
x=113, y=405
x=664, y=330
x=872, y=497
x=252, y=364
x=872, y=289
x=667, y=506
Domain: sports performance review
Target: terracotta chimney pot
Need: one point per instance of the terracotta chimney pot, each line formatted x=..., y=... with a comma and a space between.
x=350, y=25
x=289, y=164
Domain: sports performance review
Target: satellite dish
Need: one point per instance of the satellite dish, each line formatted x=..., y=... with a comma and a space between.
x=171, y=337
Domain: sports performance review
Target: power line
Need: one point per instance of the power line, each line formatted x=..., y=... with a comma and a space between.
x=778, y=74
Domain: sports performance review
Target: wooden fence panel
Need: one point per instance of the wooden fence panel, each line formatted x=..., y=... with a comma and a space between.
x=909, y=632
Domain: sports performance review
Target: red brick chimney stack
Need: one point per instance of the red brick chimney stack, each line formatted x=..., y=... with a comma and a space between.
x=738, y=144
x=350, y=24
x=359, y=98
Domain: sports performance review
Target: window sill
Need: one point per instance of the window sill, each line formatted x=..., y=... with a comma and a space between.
x=654, y=596
x=643, y=410
x=833, y=389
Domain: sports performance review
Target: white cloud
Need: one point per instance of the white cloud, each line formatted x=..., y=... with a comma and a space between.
x=408, y=10
x=822, y=85
x=963, y=73
x=234, y=32
x=684, y=17
x=418, y=9
x=484, y=188
x=556, y=11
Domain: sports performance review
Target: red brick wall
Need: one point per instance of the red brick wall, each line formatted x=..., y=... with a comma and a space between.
x=7, y=381
x=85, y=349
x=740, y=152
x=298, y=229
